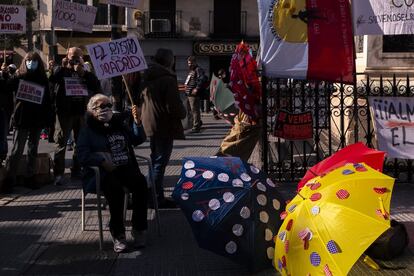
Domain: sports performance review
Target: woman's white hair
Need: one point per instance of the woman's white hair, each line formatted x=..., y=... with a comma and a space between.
x=92, y=101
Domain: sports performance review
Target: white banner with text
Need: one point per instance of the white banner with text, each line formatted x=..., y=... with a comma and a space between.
x=74, y=16
x=383, y=17
x=394, y=125
x=12, y=19
x=117, y=57
x=30, y=92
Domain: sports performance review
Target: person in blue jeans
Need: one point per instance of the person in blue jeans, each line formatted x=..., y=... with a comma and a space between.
x=162, y=112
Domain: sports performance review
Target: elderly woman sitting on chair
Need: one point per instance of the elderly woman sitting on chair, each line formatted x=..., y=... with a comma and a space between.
x=107, y=142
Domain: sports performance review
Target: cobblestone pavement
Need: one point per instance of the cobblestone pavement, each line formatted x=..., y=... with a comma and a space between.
x=40, y=230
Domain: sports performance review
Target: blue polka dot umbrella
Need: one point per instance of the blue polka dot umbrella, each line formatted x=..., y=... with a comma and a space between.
x=232, y=207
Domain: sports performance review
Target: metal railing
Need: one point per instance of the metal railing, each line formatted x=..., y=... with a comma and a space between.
x=341, y=116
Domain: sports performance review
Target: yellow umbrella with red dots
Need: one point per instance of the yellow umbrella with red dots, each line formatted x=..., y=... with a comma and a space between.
x=332, y=221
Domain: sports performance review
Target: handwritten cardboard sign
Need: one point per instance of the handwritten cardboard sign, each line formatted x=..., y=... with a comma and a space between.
x=30, y=92
x=117, y=57
x=394, y=125
x=12, y=19
x=75, y=87
x=293, y=126
x=74, y=16
x=122, y=3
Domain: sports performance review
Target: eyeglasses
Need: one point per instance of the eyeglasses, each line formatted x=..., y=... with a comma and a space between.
x=103, y=106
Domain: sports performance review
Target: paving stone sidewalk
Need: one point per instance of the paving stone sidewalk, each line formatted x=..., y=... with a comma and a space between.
x=40, y=230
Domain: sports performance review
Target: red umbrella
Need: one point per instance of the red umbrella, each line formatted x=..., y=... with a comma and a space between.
x=355, y=153
x=244, y=81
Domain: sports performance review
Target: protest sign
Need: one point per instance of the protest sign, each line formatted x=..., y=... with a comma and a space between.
x=30, y=92
x=75, y=87
x=394, y=125
x=117, y=57
x=122, y=3
x=12, y=19
x=292, y=126
x=74, y=16
x=379, y=17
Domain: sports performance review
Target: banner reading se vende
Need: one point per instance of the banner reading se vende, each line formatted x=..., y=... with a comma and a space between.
x=117, y=57
x=12, y=19
x=74, y=16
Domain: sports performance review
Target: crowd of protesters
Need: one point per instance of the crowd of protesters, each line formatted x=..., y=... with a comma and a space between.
x=101, y=137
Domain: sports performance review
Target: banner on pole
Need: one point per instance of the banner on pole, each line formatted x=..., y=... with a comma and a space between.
x=74, y=16
x=122, y=3
x=307, y=39
x=379, y=17
x=294, y=126
x=30, y=92
x=12, y=19
x=394, y=125
x=117, y=57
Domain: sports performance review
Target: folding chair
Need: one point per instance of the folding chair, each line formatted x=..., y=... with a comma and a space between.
x=99, y=199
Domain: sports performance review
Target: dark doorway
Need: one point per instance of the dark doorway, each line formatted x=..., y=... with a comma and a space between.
x=220, y=62
x=162, y=15
x=227, y=18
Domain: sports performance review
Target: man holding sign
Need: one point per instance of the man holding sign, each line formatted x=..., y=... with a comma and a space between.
x=73, y=88
x=31, y=113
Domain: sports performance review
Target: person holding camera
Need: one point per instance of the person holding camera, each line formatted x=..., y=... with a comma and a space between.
x=73, y=86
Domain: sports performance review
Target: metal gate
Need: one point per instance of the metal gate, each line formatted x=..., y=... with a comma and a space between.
x=341, y=117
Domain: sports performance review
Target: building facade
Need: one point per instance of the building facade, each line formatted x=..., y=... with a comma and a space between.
x=208, y=29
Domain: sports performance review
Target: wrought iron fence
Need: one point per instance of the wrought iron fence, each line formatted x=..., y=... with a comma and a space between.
x=341, y=116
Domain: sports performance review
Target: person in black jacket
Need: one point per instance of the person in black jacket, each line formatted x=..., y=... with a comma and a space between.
x=70, y=106
x=6, y=103
x=108, y=143
x=31, y=113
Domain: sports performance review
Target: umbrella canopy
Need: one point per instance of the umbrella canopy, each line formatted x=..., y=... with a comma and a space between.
x=355, y=153
x=220, y=95
x=223, y=99
x=232, y=208
x=244, y=82
x=333, y=220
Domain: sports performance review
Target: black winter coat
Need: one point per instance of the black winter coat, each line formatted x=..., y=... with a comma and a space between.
x=27, y=114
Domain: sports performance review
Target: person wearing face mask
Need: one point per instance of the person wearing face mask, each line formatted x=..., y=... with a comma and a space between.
x=29, y=116
x=107, y=142
x=70, y=107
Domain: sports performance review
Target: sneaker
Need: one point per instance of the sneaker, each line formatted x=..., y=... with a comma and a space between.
x=167, y=204
x=120, y=245
x=140, y=238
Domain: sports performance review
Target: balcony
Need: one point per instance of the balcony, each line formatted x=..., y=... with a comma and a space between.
x=223, y=29
x=162, y=24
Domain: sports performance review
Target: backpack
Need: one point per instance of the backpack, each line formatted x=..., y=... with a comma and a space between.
x=390, y=244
